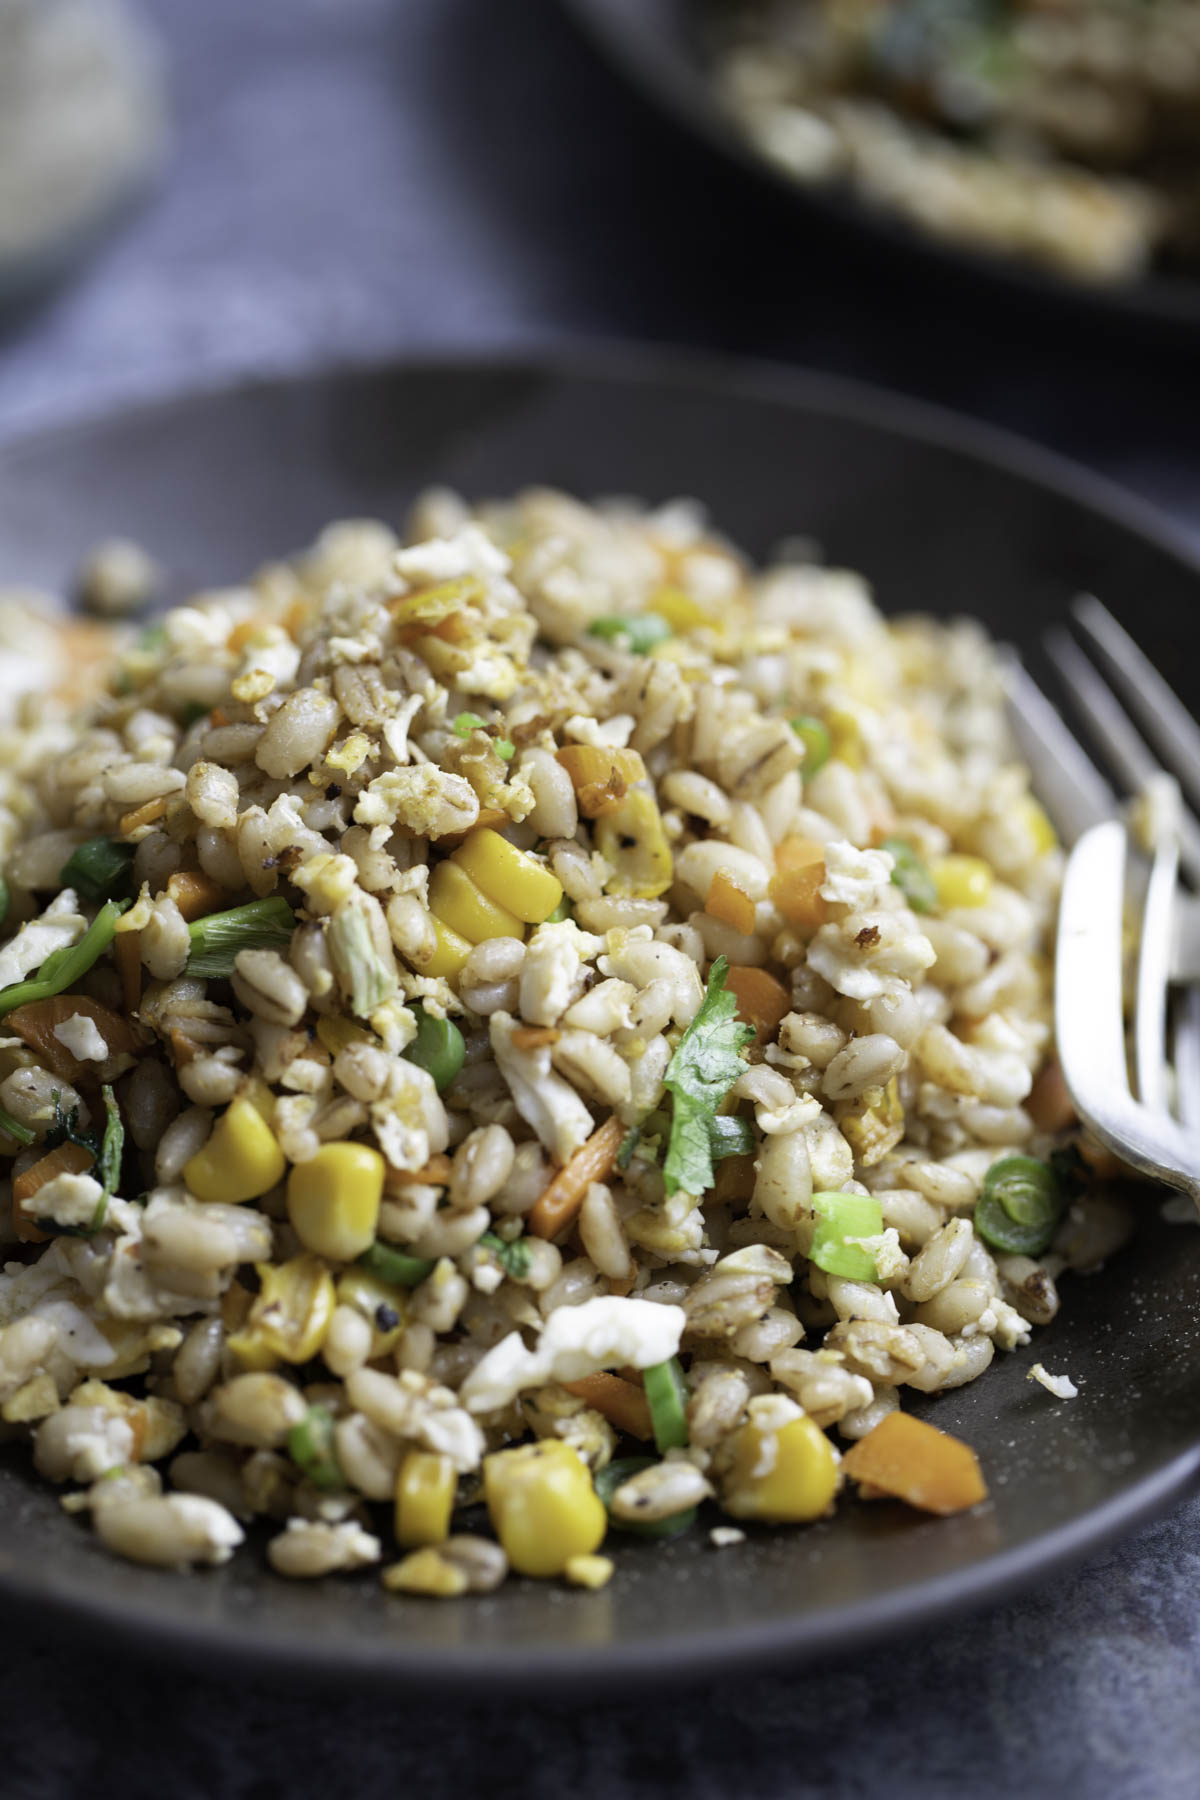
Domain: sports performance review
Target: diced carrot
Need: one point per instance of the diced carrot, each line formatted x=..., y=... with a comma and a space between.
x=621, y=1288
x=66, y=1159
x=127, y=954
x=1049, y=1105
x=558, y=1203
x=183, y=1048
x=146, y=814
x=917, y=1463
x=762, y=1000
x=729, y=903
x=218, y=717
x=241, y=634
x=435, y=1173
x=621, y=1403
x=600, y=775
x=795, y=886
x=195, y=894
x=532, y=1037
x=1103, y=1164
x=35, y=1023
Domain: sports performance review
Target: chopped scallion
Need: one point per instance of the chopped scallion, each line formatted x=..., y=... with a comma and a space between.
x=667, y=1395
x=1020, y=1205
x=217, y=938
x=505, y=749
x=911, y=875
x=514, y=1258
x=730, y=1137
x=13, y=1128
x=816, y=740
x=841, y=1217
x=100, y=869
x=466, y=723
x=395, y=1267
x=614, y=1475
x=311, y=1447
x=63, y=968
x=642, y=631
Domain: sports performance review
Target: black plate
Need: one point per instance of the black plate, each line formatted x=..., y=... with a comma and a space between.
x=659, y=45
x=942, y=515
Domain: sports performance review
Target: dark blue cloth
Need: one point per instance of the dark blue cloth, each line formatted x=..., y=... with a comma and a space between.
x=360, y=178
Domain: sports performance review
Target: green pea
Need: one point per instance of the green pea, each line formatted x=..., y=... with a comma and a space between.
x=818, y=745
x=437, y=1048
x=911, y=875
x=1019, y=1206
x=606, y=1482
x=641, y=630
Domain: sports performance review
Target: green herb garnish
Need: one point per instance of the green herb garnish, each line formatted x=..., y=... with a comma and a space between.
x=706, y=1063
x=817, y=743
x=438, y=1048
x=466, y=723
x=13, y=1128
x=395, y=1267
x=217, y=938
x=514, y=1258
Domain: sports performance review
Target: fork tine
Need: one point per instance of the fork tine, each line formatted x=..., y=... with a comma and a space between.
x=1160, y=711
x=1187, y=1058
x=1068, y=782
x=1154, y=957
x=1126, y=750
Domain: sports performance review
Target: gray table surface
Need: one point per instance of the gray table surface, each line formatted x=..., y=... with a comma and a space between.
x=357, y=178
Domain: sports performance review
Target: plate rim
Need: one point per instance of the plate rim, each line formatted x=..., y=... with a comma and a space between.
x=270, y=1651
x=1152, y=300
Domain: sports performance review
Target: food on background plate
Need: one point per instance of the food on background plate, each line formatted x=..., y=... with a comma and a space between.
x=508, y=1039
x=1063, y=133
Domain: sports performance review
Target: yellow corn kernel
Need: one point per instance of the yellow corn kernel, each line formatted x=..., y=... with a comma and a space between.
x=462, y=904
x=1044, y=836
x=631, y=838
x=290, y=1315
x=241, y=1159
x=450, y=953
x=845, y=737
x=681, y=612
x=384, y=1308
x=961, y=880
x=783, y=1476
x=333, y=1200
x=589, y=1571
x=508, y=876
x=338, y=1034
x=433, y=604
x=425, y=1572
x=543, y=1506
x=426, y=1485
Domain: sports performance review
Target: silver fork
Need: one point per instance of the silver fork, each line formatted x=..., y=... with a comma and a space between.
x=1133, y=1114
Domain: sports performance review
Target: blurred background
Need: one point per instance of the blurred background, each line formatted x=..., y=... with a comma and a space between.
x=195, y=191
x=366, y=178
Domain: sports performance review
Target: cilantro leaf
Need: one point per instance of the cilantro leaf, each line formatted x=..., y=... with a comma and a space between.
x=514, y=1258
x=706, y=1063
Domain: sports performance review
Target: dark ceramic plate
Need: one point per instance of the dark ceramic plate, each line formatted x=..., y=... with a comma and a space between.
x=659, y=45
x=941, y=515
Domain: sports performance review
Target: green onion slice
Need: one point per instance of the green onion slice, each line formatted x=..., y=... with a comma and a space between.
x=640, y=630
x=818, y=745
x=217, y=938
x=101, y=869
x=1020, y=1205
x=840, y=1217
x=395, y=1267
x=911, y=875
x=63, y=968
x=606, y=1482
x=13, y=1128
x=311, y=1447
x=666, y=1392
